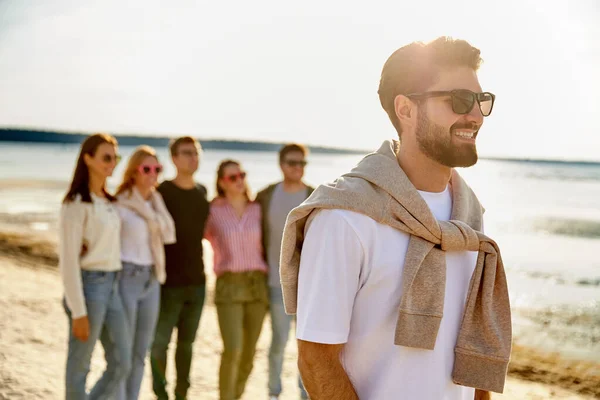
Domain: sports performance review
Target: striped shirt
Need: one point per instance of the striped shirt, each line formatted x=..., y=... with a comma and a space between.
x=236, y=242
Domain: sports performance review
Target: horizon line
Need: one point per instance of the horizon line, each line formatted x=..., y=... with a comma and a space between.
x=347, y=150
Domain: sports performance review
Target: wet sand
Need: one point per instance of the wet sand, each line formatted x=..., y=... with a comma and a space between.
x=33, y=334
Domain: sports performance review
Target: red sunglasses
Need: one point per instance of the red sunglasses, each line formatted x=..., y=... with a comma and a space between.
x=147, y=169
x=233, y=178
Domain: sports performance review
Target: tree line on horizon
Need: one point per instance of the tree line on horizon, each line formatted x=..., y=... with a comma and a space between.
x=48, y=136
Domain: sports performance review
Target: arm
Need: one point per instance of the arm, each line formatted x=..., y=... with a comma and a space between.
x=165, y=221
x=482, y=395
x=322, y=372
x=72, y=219
x=209, y=229
x=263, y=212
x=328, y=280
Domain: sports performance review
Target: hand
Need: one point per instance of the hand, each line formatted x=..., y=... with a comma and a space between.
x=81, y=328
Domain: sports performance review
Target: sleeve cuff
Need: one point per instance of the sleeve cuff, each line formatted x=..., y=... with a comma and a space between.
x=77, y=312
x=309, y=335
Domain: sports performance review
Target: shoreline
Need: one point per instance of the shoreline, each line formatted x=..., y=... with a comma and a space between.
x=37, y=251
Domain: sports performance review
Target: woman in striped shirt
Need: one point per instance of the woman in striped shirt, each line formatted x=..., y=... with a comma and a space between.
x=241, y=295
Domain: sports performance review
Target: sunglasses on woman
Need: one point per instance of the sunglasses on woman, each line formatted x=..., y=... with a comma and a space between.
x=463, y=100
x=233, y=178
x=147, y=169
x=108, y=158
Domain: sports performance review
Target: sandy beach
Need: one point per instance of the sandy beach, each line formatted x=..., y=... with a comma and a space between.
x=33, y=334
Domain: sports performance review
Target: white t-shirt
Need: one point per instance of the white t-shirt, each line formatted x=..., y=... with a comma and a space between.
x=135, y=237
x=349, y=291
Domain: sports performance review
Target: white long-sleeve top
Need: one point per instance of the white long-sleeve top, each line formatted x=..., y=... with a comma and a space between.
x=89, y=239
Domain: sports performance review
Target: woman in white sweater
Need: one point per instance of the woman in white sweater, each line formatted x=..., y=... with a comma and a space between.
x=89, y=254
x=146, y=226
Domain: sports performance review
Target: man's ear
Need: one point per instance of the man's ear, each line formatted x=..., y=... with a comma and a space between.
x=405, y=109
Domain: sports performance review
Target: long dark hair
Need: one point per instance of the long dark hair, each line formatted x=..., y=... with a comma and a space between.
x=81, y=177
x=221, y=174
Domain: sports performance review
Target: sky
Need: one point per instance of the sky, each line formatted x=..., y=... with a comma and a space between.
x=294, y=71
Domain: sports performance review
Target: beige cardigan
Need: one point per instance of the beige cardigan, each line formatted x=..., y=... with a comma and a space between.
x=379, y=188
x=160, y=224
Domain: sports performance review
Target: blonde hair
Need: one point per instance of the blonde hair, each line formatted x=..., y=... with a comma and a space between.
x=133, y=164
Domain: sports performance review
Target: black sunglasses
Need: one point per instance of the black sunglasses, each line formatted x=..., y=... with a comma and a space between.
x=463, y=100
x=296, y=163
x=107, y=158
x=189, y=153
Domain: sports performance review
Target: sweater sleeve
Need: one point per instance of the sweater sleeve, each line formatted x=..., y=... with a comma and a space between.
x=72, y=220
x=165, y=221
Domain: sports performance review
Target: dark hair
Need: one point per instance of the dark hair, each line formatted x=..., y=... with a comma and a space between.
x=292, y=148
x=81, y=176
x=415, y=67
x=221, y=174
x=175, y=143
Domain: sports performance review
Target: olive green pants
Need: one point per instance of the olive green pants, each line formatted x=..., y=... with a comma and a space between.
x=242, y=303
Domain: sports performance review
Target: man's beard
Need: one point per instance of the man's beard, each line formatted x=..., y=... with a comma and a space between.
x=436, y=143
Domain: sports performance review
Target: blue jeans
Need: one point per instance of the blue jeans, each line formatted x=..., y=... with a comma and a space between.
x=140, y=292
x=104, y=312
x=280, y=323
